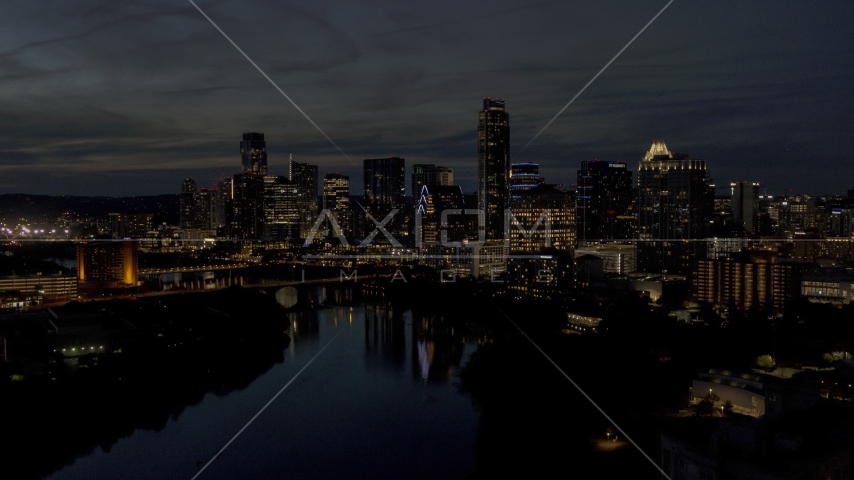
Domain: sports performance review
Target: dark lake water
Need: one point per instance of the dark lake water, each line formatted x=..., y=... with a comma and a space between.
x=382, y=401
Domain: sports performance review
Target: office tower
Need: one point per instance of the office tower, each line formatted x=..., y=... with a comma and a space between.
x=553, y=209
x=434, y=200
x=188, y=203
x=493, y=166
x=541, y=238
x=221, y=205
x=675, y=202
x=422, y=174
x=108, y=262
x=304, y=176
x=281, y=217
x=798, y=214
x=604, y=201
x=428, y=174
x=253, y=150
x=336, y=199
x=524, y=176
x=446, y=175
x=842, y=222
x=385, y=191
x=244, y=210
x=745, y=205
x=206, y=209
x=198, y=207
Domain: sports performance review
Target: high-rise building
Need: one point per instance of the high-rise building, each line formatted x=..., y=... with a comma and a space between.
x=493, y=166
x=745, y=205
x=198, y=207
x=433, y=201
x=222, y=201
x=842, y=222
x=281, y=216
x=304, y=176
x=385, y=191
x=429, y=174
x=543, y=218
x=743, y=282
x=108, y=262
x=446, y=175
x=244, y=211
x=253, y=150
x=336, y=199
x=604, y=201
x=675, y=205
x=542, y=225
x=189, y=189
x=524, y=176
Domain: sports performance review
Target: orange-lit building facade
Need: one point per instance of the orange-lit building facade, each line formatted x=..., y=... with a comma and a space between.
x=108, y=262
x=759, y=284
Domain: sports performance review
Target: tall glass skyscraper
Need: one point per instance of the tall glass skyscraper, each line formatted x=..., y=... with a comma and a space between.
x=385, y=190
x=304, y=176
x=429, y=174
x=675, y=205
x=493, y=165
x=604, y=201
x=280, y=213
x=253, y=150
x=524, y=176
x=336, y=199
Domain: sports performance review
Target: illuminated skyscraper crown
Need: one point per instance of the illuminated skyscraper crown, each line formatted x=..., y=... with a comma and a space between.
x=658, y=149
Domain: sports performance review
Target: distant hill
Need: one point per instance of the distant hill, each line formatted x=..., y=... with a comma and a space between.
x=35, y=208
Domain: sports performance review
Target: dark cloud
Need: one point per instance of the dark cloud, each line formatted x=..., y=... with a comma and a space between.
x=129, y=98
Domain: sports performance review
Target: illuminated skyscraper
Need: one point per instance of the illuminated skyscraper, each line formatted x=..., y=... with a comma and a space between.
x=279, y=205
x=675, y=206
x=434, y=200
x=428, y=174
x=189, y=189
x=253, y=150
x=336, y=199
x=553, y=209
x=604, y=201
x=385, y=191
x=524, y=176
x=541, y=241
x=493, y=165
x=198, y=210
x=244, y=211
x=304, y=176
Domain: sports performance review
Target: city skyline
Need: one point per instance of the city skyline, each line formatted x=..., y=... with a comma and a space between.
x=78, y=122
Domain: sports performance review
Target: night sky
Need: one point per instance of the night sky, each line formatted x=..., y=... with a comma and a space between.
x=128, y=98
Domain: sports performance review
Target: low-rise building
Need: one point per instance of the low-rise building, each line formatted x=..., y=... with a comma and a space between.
x=19, y=291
